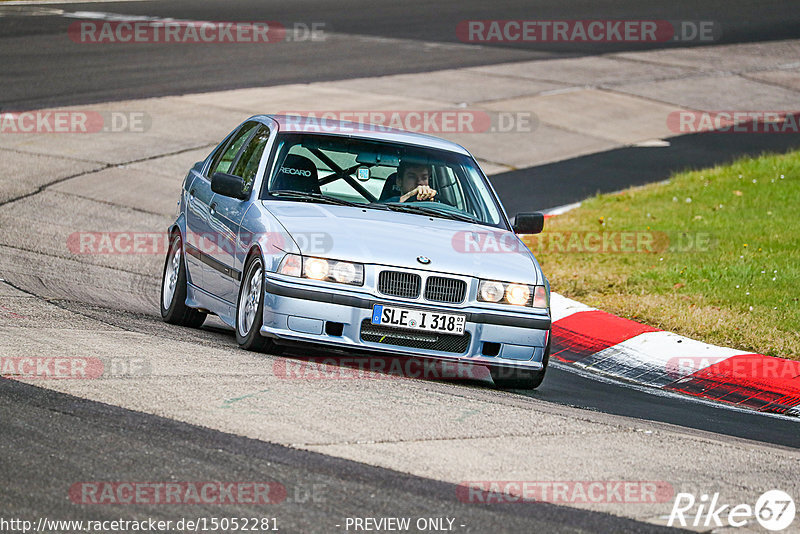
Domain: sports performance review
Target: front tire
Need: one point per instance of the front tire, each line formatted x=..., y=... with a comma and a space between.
x=173, y=289
x=512, y=378
x=250, y=308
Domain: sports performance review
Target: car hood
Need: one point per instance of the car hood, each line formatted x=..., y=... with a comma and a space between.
x=392, y=238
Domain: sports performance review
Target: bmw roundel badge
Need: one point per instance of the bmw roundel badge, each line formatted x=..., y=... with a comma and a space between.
x=423, y=260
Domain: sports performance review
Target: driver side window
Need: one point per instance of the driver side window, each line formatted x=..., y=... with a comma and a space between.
x=247, y=166
x=225, y=157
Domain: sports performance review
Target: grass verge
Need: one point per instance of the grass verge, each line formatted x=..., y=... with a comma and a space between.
x=711, y=254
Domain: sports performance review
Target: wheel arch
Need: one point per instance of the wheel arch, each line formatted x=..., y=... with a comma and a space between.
x=252, y=251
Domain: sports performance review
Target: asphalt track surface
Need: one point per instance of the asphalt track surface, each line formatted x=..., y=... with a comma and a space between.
x=51, y=437
x=42, y=68
x=48, y=437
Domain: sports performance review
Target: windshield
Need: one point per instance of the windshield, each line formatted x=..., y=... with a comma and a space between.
x=379, y=174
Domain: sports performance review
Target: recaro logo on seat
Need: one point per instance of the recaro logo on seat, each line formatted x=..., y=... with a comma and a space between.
x=301, y=172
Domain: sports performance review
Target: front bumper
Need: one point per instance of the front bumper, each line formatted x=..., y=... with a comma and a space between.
x=295, y=311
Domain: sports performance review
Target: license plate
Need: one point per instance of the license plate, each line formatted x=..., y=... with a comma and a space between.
x=426, y=321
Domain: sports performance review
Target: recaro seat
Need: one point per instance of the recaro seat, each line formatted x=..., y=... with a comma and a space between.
x=298, y=173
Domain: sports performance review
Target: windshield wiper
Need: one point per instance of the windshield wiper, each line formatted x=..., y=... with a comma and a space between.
x=305, y=195
x=425, y=210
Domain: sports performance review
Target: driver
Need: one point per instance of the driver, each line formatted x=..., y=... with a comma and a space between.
x=412, y=181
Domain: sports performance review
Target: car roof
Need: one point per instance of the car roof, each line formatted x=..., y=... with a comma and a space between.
x=310, y=124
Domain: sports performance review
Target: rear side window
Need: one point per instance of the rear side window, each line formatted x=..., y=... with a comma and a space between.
x=247, y=165
x=225, y=157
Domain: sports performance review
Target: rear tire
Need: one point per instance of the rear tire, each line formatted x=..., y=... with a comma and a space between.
x=512, y=378
x=173, y=289
x=250, y=308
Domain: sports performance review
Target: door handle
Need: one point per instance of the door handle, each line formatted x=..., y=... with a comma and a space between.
x=213, y=207
x=191, y=193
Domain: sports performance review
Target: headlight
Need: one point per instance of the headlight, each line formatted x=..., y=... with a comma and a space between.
x=316, y=268
x=345, y=272
x=518, y=294
x=342, y=272
x=515, y=294
x=491, y=291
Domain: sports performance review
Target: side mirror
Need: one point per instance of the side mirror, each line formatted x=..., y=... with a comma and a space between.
x=528, y=223
x=228, y=185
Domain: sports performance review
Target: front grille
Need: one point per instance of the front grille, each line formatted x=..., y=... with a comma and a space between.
x=397, y=284
x=414, y=339
x=440, y=289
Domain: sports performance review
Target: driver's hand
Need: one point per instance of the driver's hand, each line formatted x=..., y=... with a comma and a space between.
x=422, y=192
